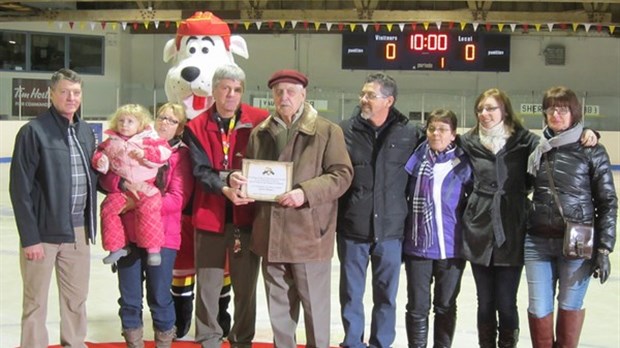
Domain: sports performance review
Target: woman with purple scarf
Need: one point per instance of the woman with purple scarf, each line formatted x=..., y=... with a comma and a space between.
x=439, y=173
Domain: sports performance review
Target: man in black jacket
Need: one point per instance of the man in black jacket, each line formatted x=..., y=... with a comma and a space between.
x=53, y=192
x=371, y=216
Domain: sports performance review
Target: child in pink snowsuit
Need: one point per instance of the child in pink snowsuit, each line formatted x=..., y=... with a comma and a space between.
x=134, y=152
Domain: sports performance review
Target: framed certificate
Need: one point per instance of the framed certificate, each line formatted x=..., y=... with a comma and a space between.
x=267, y=179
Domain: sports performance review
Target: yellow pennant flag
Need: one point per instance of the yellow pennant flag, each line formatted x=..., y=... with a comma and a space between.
x=500, y=26
x=146, y=25
x=282, y=24
x=575, y=26
x=114, y=25
x=317, y=25
x=612, y=28
x=352, y=26
x=537, y=26
x=426, y=24
x=389, y=26
x=463, y=25
x=246, y=25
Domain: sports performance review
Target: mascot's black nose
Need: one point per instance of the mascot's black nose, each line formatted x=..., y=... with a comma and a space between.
x=190, y=73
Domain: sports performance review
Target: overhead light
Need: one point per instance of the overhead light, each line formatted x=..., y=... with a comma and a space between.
x=12, y=42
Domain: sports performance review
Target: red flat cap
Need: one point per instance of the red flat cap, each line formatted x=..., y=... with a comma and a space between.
x=288, y=75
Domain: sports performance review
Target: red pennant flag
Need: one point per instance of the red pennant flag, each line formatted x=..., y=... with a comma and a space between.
x=270, y=24
x=340, y=26
x=599, y=27
x=563, y=26
x=488, y=26
x=235, y=25
x=305, y=24
x=450, y=25
x=377, y=26
x=103, y=24
x=413, y=26
x=71, y=25
x=167, y=24
x=525, y=27
x=135, y=26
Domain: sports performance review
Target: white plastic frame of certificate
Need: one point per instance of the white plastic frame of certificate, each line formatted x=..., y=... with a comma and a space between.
x=266, y=179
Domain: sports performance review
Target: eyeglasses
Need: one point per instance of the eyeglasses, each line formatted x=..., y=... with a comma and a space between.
x=561, y=110
x=487, y=109
x=168, y=120
x=370, y=96
x=441, y=130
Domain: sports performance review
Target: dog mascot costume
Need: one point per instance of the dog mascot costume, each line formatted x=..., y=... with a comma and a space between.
x=203, y=43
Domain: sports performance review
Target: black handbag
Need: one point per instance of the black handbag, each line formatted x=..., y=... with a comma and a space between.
x=578, y=237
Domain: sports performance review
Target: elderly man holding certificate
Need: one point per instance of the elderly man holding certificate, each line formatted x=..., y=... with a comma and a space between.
x=295, y=233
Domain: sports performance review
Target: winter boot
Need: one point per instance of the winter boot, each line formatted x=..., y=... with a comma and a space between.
x=417, y=330
x=183, y=307
x=541, y=331
x=444, y=329
x=487, y=334
x=163, y=339
x=508, y=338
x=568, y=328
x=133, y=338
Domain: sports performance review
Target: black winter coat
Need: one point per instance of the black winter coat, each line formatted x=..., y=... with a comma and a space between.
x=584, y=181
x=499, y=202
x=374, y=208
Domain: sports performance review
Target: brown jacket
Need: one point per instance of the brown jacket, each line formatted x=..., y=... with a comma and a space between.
x=322, y=169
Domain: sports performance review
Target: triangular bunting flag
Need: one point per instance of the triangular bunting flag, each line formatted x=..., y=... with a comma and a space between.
x=450, y=25
x=246, y=25
x=612, y=28
x=156, y=24
x=259, y=24
x=49, y=24
x=575, y=26
x=114, y=24
x=167, y=24
x=537, y=26
x=463, y=24
x=270, y=24
x=563, y=26
x=599, y=27
x=71, y=25
x=124, y=25
x=92, y=25
x=414, y=26
x=365, y=27
x=340, y=26
x=177, y=23
x=293, y=24
x=305, y=24
x=587, y=26
x=352, y=26
x=146, y=25
x=438, y=24
x=426, y=24
x=135, y=26
x=317, y=25
x=550, y=27
x=103, y=24
x=59, y=25
x=500, y=27
x=376, y=25
x=487, y=26
x=475, y=25
x=235, y=26
x=282, y=24
x=526, y=27
x=513, y=27
x=389, y=26
x=329, y=25
x=82, y=25
x=401, y=26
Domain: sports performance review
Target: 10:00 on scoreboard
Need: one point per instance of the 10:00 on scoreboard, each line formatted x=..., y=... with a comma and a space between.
x=426, y=50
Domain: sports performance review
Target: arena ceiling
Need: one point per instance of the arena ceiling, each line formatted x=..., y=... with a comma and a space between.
x=497, y=11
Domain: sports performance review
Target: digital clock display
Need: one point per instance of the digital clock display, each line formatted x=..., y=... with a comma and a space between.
x=427, y=50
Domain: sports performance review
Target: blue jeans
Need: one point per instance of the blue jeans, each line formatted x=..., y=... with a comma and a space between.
x=132, y=271
x=496, y=291
x=385, y=259
x=546, y=270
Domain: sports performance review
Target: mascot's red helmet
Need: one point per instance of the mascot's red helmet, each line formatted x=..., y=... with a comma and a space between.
x=204, y=23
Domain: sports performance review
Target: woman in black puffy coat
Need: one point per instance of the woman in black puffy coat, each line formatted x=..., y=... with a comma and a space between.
x=585, y=189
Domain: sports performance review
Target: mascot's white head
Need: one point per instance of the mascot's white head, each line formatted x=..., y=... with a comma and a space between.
x=202, y=44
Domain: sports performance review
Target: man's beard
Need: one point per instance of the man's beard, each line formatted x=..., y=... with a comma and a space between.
x=366, y=114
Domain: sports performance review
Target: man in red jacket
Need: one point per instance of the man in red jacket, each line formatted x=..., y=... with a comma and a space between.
x=217, y=139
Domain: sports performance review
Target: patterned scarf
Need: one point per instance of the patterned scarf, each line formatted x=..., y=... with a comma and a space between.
x=551, y=140
x=422, y=206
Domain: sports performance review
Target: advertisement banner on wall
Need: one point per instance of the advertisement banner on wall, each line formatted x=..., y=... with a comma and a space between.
x=31, y=96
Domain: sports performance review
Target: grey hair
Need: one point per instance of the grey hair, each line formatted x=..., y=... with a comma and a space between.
x=387, y=83
x=65, y=74
x=229, y=72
